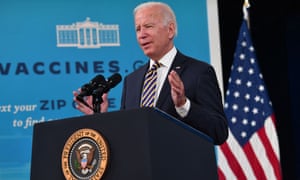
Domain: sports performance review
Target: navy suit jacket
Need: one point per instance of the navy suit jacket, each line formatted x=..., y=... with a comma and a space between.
x=201, y=88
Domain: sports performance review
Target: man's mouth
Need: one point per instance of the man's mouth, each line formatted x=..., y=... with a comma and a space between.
x=145, y=45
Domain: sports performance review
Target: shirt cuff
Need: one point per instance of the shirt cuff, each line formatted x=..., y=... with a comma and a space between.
x=183, y=110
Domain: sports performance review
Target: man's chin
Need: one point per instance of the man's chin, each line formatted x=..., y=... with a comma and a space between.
x=148, y=52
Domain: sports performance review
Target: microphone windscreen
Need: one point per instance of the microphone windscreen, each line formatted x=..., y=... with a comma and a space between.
x=99, y=79
x=114, y=80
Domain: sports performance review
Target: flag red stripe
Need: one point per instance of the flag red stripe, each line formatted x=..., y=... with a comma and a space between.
x=221, y=174
x=255, y=164
x=273, y=119
x=233, y=163
x=270, y=153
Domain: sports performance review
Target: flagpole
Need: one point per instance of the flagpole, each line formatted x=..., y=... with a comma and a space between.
x=246, y=5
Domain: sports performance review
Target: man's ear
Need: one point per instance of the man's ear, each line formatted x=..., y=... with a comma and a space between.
x=171, y=30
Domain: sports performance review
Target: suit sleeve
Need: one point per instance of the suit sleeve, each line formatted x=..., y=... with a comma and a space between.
x=206, y=113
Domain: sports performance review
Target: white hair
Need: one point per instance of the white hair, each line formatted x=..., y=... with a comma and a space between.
x=168, y=14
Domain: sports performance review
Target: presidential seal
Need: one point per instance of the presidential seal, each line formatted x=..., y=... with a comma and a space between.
x=85, y=156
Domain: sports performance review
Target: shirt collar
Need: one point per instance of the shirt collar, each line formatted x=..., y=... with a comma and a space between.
x=167, y=59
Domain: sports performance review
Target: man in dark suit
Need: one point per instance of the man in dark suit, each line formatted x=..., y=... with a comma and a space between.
x=186, y=88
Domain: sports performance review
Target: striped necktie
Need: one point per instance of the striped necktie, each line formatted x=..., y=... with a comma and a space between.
x=149, y=88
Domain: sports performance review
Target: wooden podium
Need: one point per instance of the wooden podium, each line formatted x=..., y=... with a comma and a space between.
x=144, y=144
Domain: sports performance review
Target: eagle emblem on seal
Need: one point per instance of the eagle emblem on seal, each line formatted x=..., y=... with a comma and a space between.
x=85, y=158
x=85, y=155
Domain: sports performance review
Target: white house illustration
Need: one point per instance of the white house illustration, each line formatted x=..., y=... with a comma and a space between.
x=87, y=34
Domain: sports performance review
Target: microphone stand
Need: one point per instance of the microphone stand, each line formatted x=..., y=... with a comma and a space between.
x=97, y=100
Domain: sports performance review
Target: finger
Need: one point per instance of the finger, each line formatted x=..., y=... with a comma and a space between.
x=104, y=96
x=176, y=82
x=175, y=76
x=75, y=93
x=172, y=78
x=79, y=105
x=83, y=108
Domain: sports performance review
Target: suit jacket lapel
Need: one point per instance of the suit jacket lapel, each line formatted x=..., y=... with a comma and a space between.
x=139, y=81
x=178, y=66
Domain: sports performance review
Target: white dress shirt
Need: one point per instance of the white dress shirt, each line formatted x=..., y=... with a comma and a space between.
x=162, y=73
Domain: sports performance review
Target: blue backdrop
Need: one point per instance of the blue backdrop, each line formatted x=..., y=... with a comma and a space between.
x=49, y=48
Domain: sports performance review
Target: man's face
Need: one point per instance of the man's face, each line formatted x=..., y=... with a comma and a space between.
x=154, y=37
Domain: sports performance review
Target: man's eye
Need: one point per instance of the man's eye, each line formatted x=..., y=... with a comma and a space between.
x=148, y=26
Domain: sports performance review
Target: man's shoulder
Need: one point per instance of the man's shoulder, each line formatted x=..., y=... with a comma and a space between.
x=191, y=60
x=138, y=71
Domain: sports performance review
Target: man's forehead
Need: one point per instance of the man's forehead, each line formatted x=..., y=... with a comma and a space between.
x=146, y=18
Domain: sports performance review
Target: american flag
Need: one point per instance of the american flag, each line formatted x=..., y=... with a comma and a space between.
x=251, y=150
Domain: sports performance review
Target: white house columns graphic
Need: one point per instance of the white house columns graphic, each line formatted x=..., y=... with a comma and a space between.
x=87, y=34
